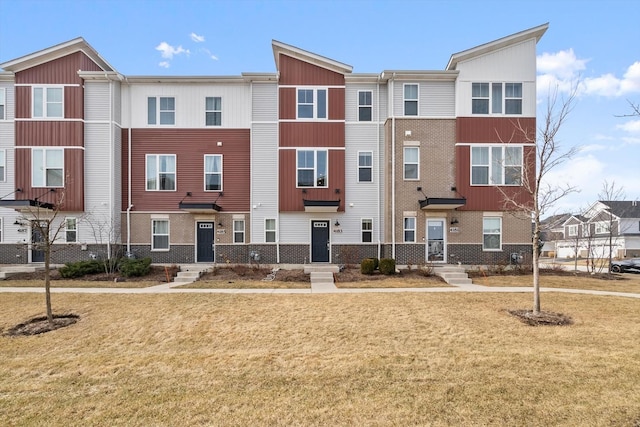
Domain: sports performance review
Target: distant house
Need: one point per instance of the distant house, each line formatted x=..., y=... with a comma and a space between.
x=552, y=230
x=605, y=224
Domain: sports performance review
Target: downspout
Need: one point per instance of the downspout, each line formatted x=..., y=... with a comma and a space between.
x=393, y=168
x=379, y=174
x=129, y=204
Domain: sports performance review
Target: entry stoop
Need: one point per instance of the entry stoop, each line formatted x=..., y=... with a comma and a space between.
x=189, y=273
x=322, y=277
x=453, y=275
x=9, y=270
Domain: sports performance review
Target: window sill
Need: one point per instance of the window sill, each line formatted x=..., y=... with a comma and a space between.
x=492, y=250
x=160, y=250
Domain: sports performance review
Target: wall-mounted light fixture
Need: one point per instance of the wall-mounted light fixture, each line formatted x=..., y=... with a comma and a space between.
x=454, y=221
x=337, y=224
x=19, y=223
x=220, y=224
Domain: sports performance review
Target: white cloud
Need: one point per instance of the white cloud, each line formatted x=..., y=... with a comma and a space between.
x=632, y=126
x=209, y=54
x=164, y=64
x=564, y=64
x=196, y=38
x=167, y=51
x=592, y=147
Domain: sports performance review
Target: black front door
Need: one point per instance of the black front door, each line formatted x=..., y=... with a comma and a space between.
x=319, y=241
x=205, y=242
x=37, y=254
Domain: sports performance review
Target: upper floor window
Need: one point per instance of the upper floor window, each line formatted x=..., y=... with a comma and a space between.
x=48, y=102
x=496, y=98
x=602, y=227
x=3, y=104
x=312, y=168
x=161, y=172
x=365, y=105
x=47, y=167
x=2, y=166
x=71, y=230
x=161, y=110
x=365, y=166
x=238, y=231
x=411, y=162
x=312, y=103
x=213, y=172
x=270, y=230
x=491, y=233
x=572, y=230
x=496, y=165
x=410, y=99
x=367, y=230
x=586, y=230
x=409, y=229
x=213, y=111
x=160, y=235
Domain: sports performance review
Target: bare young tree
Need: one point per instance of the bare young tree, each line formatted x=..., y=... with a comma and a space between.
x=541, y=193
x=106, y=234
x=610, y=192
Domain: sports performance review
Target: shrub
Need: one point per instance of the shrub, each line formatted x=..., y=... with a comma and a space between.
x=376, y=263
x=388, y=266
x=367, y=266
x=135, y=267
x=72, y=270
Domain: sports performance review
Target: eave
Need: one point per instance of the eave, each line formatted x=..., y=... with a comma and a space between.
x=422, y=75
x=321, y=205
x=441, y=203
x=26, y=205
x=199, y=207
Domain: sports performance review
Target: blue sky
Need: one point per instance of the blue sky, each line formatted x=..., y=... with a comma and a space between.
x=593, y=43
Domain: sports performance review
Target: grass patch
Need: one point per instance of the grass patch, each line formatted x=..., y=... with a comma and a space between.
x=623, y=283
x=396, y=282
x=245, y=284
x=356, y=359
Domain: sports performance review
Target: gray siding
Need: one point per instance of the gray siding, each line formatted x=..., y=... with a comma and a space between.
x=264, y=177
x=435, y=99
x=97, y=101
x=265, y=102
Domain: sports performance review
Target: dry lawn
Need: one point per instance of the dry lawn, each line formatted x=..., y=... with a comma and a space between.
x=245, y=284
x=627, y=282
x=79, y=284
x=396, y=282
x=358, y=359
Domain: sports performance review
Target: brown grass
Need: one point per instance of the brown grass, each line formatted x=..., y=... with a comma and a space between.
x=623, y=283
x=245, y=284
x=396, y=282
x=356, y=359
x=79, y=284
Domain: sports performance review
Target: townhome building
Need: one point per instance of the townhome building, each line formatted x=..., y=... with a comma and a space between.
x=311, y=163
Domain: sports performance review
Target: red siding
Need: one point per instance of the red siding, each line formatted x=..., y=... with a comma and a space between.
x=291, y=197
x=72, y=195
x=288, y=103
x=311, y=134
x=59, y=71
x=489, y=198
x=49, y=133
x=336, y=104
x=495, y=129
x=296, y=72
x=189, y=145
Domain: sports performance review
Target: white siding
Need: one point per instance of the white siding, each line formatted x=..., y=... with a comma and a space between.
x=265, y=102
x=98, y=190
x=96, y=101
x=351, y=101
x=10, y=232
x=190, y=103
x=7, y=139
x=295, y=227
x=9, y=100
x=435, y=98
x=264, y=177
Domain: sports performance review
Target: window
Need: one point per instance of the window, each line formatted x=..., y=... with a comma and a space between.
x=491, y=234
x=312, y=168
x=238, y=231
x=71, y=230
x=410, y=229
x=47, y=169
x=410, y=99
x=365, y=109
x=367, y=230
x=270, y=230
x=161, y=172
x=496, y=165
x=510, y=103
x=159, y=234
x=411, y=162
x=165, y=114
x=3, y=104
x=602, y=227
x=48, y=102
x=365, y=166
x=2, y=166
x=572, y=230
x=312, y=103
x=213, y=172
x=213, y=111
x=586, y=230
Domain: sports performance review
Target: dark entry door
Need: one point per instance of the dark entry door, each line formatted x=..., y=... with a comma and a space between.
x=37, y=255
x=319, y=241
x=205, y=242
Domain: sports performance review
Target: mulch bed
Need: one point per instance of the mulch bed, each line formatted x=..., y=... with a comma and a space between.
x=40, y=325
x=157, y=274
x=543, y=318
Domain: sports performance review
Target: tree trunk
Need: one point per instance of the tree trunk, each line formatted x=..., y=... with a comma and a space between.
x=47, y=280
x=536, y=268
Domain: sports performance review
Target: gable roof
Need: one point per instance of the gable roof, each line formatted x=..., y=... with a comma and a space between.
x=280, y=48
x=483, y=49
x=623, y=208
x=55, y=52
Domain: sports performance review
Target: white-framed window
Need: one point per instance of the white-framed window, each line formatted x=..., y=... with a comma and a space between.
x=3, y=165
x=496, y=98
x=496, y=165
x=47, y=167
x=312, y=103
x=586, y=230
x=70, y=230
x=410, y=99
x=411, y=163
x=365, y=105
x=572, y=230
x=48, y=102
x=365, y=166
x=159, y=234
x=491, y=233
x=238, y=231
x=409, y=229
x=312, y=168
x=3, y=104
x=367, y=230
x=270, y=230
x=602, y=227
x=161, y=110
x=161, y=172
x=213, y=172
x=213, y=111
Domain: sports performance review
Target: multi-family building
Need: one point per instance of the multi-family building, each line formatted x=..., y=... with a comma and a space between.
x=312, y=163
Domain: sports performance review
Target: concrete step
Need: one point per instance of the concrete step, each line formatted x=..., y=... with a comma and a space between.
x=321, y=277
x=310, y=268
